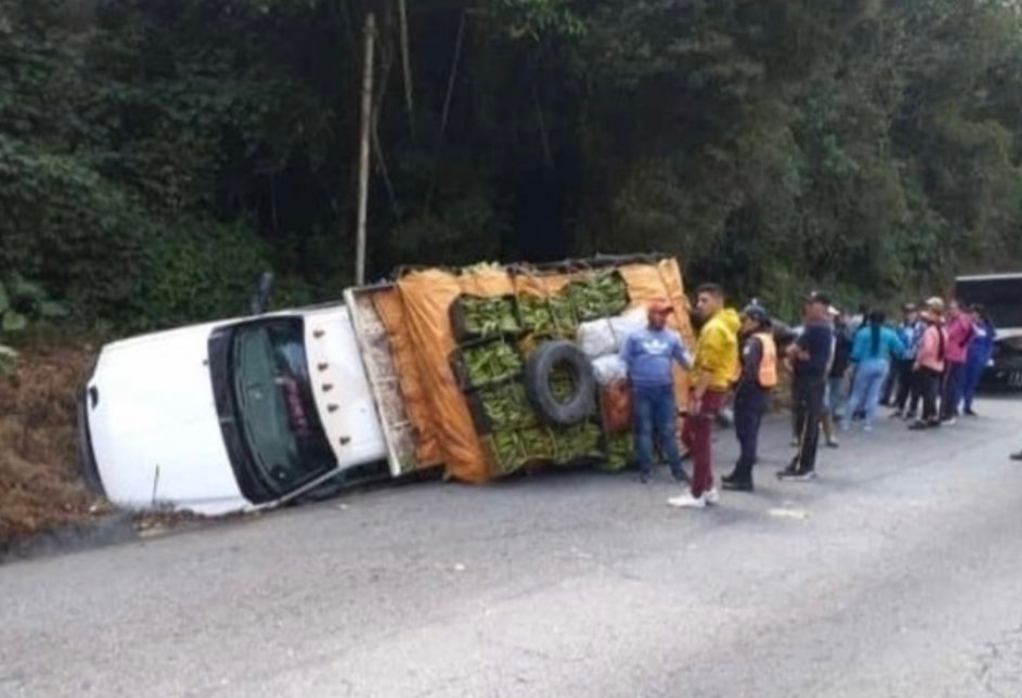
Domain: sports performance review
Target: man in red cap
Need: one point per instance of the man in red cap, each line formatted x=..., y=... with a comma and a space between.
x=650, y=355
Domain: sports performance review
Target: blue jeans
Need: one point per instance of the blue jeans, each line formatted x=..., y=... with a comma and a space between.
x=835, y=396
x=656, y=410
x=869, y=381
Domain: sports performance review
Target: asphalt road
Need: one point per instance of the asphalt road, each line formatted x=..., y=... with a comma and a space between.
x=897, y=573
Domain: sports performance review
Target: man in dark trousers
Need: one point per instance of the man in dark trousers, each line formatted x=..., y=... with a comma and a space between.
x=757, y=378
x=809, y=358
x=910, y=332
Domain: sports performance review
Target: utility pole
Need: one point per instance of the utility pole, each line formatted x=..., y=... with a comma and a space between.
x=406, y=61
x=363, y=162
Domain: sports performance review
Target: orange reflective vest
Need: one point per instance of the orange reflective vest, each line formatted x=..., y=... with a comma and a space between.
x=768, y=364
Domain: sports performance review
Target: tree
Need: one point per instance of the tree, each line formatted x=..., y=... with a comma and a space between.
x=154, y=157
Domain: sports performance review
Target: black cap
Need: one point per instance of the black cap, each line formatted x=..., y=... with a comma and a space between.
x=818, y=297
x=757, y=312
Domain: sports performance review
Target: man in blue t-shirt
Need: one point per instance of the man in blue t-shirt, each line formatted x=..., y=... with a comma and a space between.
x=650, y=355
x=809, y=359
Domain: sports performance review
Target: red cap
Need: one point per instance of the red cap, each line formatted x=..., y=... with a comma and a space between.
x=660, y=307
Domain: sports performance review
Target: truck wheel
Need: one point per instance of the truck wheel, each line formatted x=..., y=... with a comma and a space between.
x=544, y=364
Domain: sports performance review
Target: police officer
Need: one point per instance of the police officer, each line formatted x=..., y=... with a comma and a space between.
x=757, y=378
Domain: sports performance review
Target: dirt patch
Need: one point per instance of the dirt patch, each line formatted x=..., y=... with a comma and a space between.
x=40, y=486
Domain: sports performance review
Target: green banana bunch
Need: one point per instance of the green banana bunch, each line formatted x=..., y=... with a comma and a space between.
x=563, y=314
x=508, y=452
x=482, y=267
x=578, y=442
x=489, y=316
x=513, y=449
x=539, y=444
x=619, y=452
x=507, y=406
x=536, y=314
x=562, y=384
x=491, y=363
x=599, y=295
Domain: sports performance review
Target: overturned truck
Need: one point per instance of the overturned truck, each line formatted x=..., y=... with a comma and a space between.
x=481, y=371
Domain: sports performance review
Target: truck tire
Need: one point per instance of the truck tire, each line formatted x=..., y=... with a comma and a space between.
x=539, y=369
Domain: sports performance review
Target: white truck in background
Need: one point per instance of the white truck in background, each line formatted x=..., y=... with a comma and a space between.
x=1001, y=297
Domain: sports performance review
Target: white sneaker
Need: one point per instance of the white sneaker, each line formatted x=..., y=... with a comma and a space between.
x=712, y=496
x=687, y=501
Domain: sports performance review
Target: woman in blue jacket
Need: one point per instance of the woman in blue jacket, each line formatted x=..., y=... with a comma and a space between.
x=981, y=349
x=874, y=346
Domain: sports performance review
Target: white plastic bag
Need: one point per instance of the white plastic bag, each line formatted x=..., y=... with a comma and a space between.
x=610, y=369
x=605, y=336
x=596, y=338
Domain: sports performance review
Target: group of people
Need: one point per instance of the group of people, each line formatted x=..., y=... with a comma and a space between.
x=936, y=350
x=926, y=368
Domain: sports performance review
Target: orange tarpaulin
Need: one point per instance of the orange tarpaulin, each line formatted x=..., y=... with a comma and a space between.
x=423, y=342
x=416, y=401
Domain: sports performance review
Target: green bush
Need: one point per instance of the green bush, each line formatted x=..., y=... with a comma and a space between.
x=21, y=303
x=111, y=258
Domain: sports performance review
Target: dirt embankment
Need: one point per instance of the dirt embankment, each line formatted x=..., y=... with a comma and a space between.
x=40, y=486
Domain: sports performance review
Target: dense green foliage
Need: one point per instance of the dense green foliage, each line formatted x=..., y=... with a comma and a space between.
x=21, y=303
x=155, y=156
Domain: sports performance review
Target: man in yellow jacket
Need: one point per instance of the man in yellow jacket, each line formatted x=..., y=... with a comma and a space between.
x=713, y=370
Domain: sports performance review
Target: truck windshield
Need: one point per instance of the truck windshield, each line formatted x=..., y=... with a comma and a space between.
x=1002, y=296
x=276, y=412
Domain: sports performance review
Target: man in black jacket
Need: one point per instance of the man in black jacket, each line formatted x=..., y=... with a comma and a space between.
x=810, y=358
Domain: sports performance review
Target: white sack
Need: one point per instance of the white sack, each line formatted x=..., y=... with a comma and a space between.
x=609, y=370
x=605, y=336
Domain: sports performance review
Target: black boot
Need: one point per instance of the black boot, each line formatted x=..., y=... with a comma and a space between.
x=740, y=480
x=742, y=485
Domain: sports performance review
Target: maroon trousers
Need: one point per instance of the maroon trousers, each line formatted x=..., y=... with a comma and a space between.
x=697, y=437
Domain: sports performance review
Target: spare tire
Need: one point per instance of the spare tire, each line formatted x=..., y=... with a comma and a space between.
x=542, y=366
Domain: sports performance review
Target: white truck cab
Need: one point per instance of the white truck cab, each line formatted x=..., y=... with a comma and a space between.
x=231, y=415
